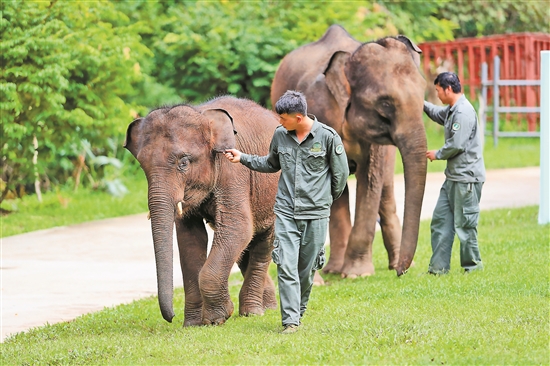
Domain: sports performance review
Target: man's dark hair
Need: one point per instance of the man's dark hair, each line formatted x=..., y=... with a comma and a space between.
x=291, y=102
x=446, y=79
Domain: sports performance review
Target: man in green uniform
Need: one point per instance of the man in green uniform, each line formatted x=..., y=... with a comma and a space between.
x=314, y=171
x=457, y=209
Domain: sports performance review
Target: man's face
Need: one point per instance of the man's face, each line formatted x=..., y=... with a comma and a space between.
x=290, y=121
x=444, y=94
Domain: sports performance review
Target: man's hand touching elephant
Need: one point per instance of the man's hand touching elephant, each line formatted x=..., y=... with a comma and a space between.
x=233, y=155
x=431, y=155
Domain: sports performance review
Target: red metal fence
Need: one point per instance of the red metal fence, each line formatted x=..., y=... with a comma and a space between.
x=520, y=60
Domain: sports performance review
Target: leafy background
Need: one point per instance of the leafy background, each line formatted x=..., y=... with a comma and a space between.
x=75, y=73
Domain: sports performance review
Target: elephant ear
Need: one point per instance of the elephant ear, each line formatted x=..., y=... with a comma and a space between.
x=413, y=49
x=132, y=137
x=222, y=130
x=336, y=80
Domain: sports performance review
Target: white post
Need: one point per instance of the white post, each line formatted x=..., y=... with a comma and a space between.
x=496, y=99
x=544, y=207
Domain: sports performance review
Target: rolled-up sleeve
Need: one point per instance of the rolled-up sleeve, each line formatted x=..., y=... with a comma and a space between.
x=263, y=164
x=338, y=167
x=436, y=113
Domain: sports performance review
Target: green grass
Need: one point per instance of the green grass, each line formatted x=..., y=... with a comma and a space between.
x=496, y=316
x=66, y=207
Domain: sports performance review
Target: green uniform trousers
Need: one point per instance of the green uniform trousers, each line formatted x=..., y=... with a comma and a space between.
x=456, y=211
x=298, y=252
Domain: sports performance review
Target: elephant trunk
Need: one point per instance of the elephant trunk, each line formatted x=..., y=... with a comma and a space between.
x=162, y=213
x=413, y=151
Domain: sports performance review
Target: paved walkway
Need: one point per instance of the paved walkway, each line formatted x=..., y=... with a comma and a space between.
x=55, y=275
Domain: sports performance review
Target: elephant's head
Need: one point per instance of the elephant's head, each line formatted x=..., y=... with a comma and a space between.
x=383, y=92
x=177, y=148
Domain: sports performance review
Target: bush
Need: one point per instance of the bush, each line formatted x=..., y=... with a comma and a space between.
x=66, y=69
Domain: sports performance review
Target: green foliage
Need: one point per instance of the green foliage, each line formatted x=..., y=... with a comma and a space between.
x=76, y=72
x=420, y=21
x=416, y=319
x=66, y=68
x=483, y=18
x=204, y=49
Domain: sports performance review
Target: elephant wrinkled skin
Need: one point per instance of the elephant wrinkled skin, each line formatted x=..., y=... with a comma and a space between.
x=372, y=94
x=190, y=182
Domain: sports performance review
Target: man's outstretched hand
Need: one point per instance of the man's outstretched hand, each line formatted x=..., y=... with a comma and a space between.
x=233, y=155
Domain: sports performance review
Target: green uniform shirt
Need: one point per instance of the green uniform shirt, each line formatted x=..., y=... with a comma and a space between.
x=462, y=150
x=313, y=172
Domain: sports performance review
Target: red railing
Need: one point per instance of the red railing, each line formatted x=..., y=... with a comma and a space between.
x=520, y=60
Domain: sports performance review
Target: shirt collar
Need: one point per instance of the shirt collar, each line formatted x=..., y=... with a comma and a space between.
x=316, y=125
x=459, y=101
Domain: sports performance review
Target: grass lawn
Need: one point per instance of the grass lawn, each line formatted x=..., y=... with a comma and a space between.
x=496, y=316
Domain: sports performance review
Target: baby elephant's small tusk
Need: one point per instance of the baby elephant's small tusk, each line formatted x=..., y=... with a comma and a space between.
x=149, y=215
x=180, y=208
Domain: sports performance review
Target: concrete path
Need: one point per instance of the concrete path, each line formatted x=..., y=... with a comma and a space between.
x=55, y=275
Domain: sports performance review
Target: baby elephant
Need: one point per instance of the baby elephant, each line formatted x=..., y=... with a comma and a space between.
x=190, y=182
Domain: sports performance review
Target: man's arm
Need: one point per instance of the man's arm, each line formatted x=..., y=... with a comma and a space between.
x=436, y=113
x=263, y=164
x=338, y=167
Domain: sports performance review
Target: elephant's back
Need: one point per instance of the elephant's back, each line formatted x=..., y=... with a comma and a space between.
x=310, y=60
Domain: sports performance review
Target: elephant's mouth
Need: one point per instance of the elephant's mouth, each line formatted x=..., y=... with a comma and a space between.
x=352, y=166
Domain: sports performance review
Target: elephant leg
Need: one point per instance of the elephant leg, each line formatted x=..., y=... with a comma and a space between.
x=269, y=298
x=254, y=296
x=339, y=232
x=192, y=246
x=389, y=222
x=228, y=244
x=358, y=257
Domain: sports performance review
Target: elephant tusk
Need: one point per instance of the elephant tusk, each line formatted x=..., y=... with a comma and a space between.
x=180, y=208
x=149, y=215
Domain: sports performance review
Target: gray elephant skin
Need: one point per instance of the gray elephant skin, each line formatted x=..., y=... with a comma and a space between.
x=190, y=182
x=372, y=95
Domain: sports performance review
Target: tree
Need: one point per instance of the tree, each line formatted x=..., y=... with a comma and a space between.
x=66, y=67
x=204, y=49
x=483, y=18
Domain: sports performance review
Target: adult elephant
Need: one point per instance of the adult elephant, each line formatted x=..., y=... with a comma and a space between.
x=372, y=95
x=190, y=181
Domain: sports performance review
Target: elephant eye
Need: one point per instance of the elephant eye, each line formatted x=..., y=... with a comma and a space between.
x=183, y=163
x=385, y=108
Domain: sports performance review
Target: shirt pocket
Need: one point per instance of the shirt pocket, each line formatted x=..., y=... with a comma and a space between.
x=285, y=157
x=315, y=161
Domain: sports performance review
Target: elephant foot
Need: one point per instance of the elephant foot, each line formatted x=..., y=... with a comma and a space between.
x=318, y=280
x=251, y=311
x=357, y=269
x=192, y=322
x=270, y=301
x=193, y=314
x=393, y=266
x=217, y=316
x=333, y=267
